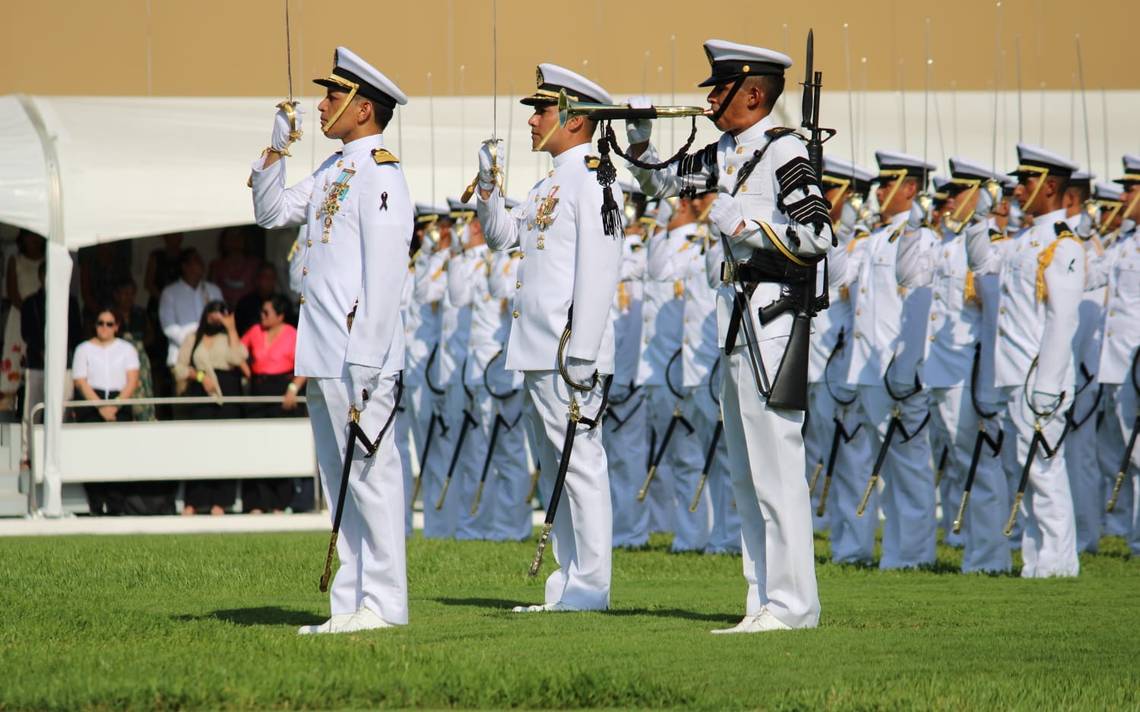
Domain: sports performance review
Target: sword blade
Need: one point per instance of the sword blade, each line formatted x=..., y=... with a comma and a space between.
x=288, y=51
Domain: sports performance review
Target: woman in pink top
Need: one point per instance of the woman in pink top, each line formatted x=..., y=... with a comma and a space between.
x=271, y=345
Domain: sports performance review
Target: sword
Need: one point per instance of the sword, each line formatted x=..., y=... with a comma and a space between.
x=815, y=477
x=573, y=417
x=1037, y=441
x=534, y=475
x=467, y=424
x=500, y=421
x=895, y=424
x=355, y=435
x=983, y=438
x=1124, y=463
x=424, y=455
x=289, y=106
x=841, y=436
x=678, y=417
x=942, y=458
x=710, y=454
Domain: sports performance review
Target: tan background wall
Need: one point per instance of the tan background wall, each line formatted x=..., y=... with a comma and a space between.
x=237, y=47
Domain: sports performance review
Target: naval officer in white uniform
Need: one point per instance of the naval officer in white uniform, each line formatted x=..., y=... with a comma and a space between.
x=350, y=338
x=567, y=262
x=1041, y=277
x=765, y=444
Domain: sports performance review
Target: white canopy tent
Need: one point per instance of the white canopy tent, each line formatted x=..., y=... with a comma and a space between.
x=84, y=170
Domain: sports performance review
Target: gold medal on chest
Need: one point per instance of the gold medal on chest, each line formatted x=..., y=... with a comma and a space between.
x=544, y=217
x=331, y=206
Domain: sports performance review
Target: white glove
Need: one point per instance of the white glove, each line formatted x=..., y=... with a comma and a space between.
x=1086, y=224
x=726, y=214
x=362, y=381
x=580, y=370
x=283, y=134
x=1016, y=216
x=919, y=212
x=848, y=214
x=638, y=130
x=988, y=198
x=490, y=158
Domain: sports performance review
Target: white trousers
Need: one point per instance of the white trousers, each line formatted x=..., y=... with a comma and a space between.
x=411, y=424
x=766, y=461
x=442, y=523
x=1086, y=481
x=1049, y=532
x=722, y=520
x=1121, y=408
x=627, y=450
x=955, y=424
x=852, y=538
x=583, y=526
x=503, y=513
x=908, y=484
x=370, y=547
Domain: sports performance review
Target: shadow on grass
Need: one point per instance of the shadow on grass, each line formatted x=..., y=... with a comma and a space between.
x=263, y=615
x=501, y=604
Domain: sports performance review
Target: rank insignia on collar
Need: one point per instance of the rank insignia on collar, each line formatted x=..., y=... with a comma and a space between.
x=544, y=218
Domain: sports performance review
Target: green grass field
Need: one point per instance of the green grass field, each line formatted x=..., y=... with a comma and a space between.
x=175, y=622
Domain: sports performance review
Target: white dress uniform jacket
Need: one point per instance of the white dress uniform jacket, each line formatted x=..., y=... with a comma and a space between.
x=370, y=228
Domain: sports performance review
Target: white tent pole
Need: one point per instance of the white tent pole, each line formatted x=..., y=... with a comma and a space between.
x=57, y=282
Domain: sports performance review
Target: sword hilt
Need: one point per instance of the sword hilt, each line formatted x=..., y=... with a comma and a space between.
x=1115, y=492
x=815, y=477
x=867, y=494
x=1008, y=531
x=641, y=493
x=442, y=494
x=324, y=585
x=819, y=512
x=542, y=539
x=533, y=485
x=416, y=491
x=478, y=499
x=961, y=512
x=700, y=490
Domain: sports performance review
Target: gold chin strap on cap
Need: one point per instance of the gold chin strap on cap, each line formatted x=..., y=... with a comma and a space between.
x=546, y=138
x=1109, y=209
x=1042, y=174
x=898, y=175
x=351, y=87
x=1130, y=211
x=957, y=220
x=841, y=183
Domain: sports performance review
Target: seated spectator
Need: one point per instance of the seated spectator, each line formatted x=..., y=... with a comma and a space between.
x=211, y=362
x=182, y=302
x=234, y=270
x=104, y=368
x=272, y=345
x=247, y=312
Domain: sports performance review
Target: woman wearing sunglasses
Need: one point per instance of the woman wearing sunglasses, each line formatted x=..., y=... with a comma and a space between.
x=211, y=362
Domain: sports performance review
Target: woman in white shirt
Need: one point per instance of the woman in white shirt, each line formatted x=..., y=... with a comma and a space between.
x=105, y=368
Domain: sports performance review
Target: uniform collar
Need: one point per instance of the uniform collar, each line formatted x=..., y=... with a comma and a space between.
x=755, y=132
x=577, y=153
x=684, y=230
x=362, y=145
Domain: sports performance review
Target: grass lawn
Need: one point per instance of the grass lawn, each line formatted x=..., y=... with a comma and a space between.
x=207, y=621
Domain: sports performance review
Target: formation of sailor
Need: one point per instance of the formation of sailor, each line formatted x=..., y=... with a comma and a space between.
x=760, y=343
x=356, y=214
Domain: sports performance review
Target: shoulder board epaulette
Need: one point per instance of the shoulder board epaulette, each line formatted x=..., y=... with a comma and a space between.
x=1045, y=257
x=854, y=240
x=592, y=163
x=780, y=132
x=997, y=235
x=383, y=155
x=897, y=233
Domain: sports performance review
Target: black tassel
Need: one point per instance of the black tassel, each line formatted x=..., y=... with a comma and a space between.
x=607, y=174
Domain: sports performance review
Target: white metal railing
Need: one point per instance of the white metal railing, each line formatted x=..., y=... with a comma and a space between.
x=189, y=426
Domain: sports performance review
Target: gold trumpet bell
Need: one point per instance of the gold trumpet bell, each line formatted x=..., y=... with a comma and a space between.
x=568, y=109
